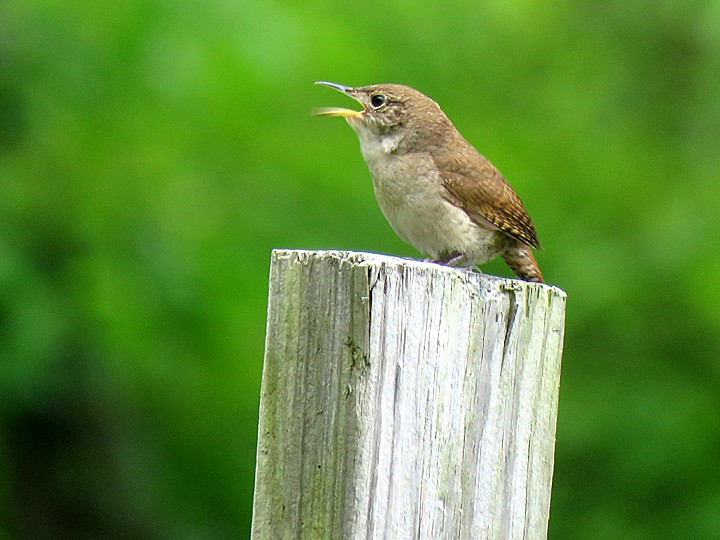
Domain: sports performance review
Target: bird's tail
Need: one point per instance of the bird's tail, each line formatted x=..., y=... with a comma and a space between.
x=521, y=260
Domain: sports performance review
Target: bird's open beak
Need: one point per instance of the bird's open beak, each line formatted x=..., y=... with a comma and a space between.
x=337, y=111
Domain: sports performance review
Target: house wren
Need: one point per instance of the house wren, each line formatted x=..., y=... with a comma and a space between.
x=437, y=192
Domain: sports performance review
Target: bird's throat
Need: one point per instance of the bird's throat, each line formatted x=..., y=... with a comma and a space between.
x=373, y=145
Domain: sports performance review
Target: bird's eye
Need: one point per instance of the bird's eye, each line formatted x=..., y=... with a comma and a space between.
x=378, y=100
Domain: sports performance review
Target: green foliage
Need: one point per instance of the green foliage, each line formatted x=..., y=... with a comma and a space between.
x=153, y=153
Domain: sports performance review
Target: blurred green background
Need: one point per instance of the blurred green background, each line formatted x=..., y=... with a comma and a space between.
x=153, y=152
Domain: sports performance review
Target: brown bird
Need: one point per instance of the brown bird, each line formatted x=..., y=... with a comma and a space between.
x=437, y=192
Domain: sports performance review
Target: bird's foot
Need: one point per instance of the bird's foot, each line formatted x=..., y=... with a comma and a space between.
x=459, y=261
x=456, y=260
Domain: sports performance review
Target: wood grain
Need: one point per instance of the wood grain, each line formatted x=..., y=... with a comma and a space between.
x=403, y=399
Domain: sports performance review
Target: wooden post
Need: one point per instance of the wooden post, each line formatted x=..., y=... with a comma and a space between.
x=405, y=400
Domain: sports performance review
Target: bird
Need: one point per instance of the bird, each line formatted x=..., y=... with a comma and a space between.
x=437, y=192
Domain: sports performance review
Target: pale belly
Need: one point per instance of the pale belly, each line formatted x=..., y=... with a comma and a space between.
x=410, y=194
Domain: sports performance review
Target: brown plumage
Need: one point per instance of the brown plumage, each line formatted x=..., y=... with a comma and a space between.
x=476, y=186
x=435, y=189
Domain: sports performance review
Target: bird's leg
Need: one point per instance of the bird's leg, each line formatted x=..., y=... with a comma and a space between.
x=456, y=260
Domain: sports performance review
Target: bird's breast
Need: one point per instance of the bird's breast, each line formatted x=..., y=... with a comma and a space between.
x=409, y=190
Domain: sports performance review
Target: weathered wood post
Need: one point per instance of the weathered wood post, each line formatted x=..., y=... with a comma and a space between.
x=405, y=400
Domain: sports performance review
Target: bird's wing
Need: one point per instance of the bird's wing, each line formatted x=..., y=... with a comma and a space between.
x=475, y=185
